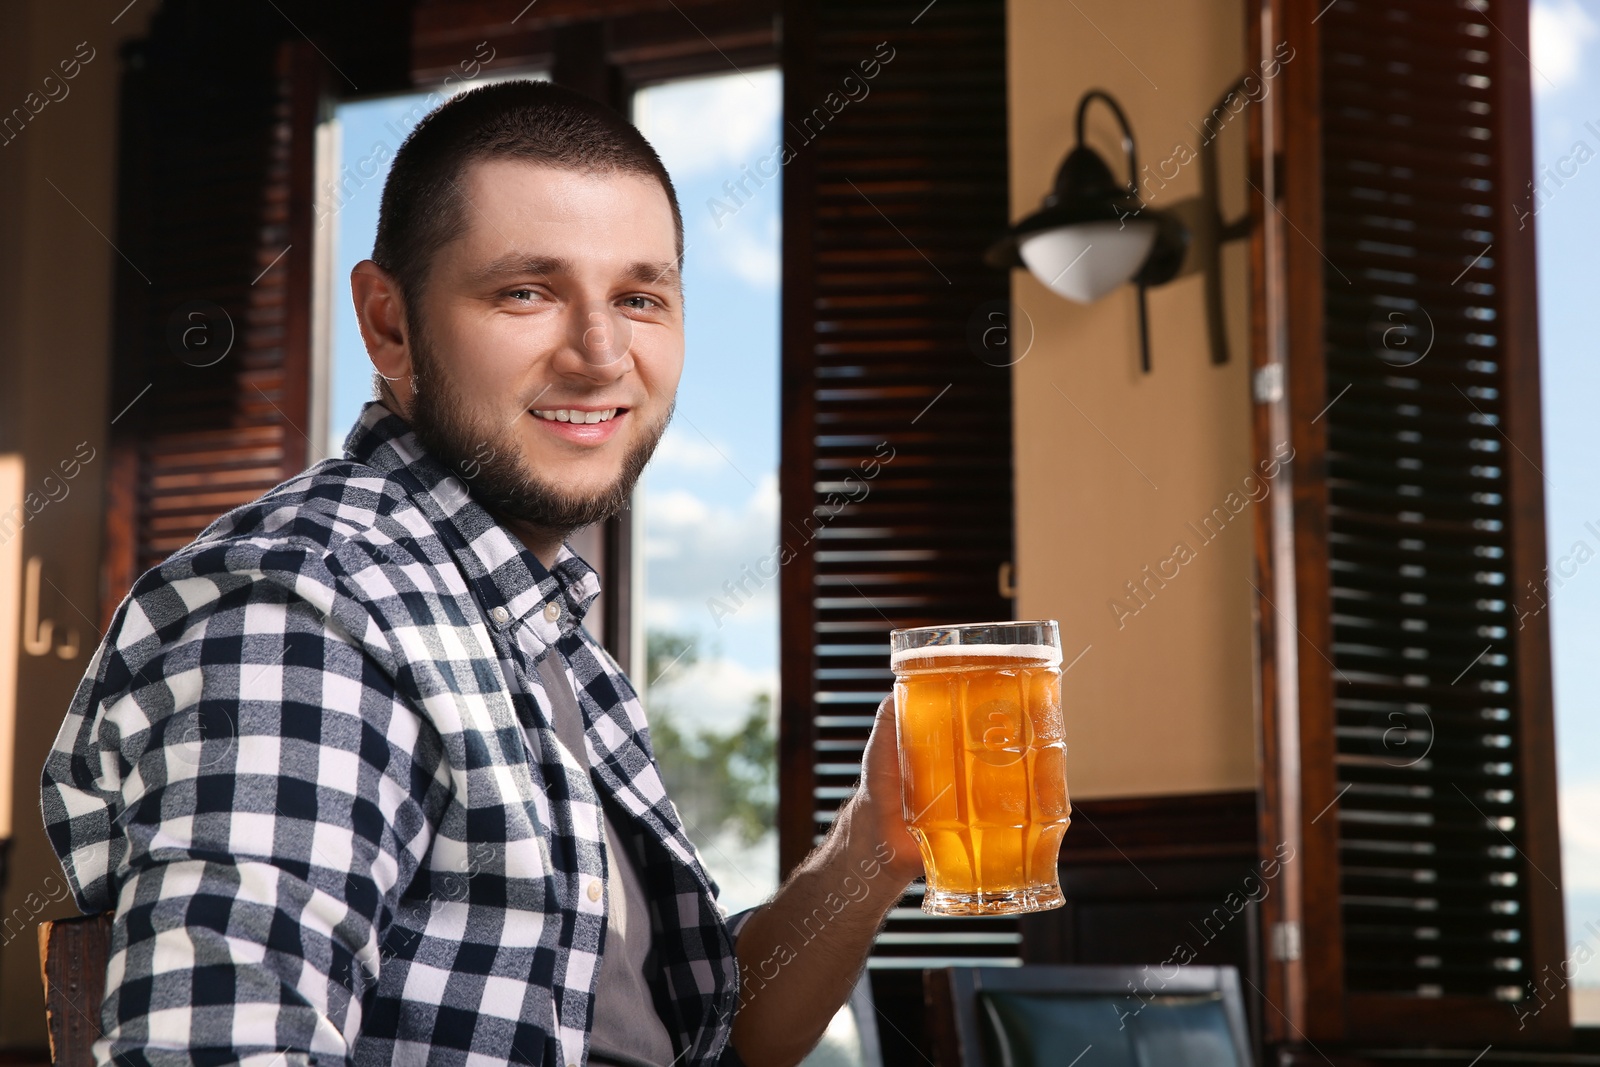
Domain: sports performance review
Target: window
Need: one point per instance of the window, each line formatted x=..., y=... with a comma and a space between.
x=706, y=513
x=1564, y=207
x=362, y=139
x=356, y=149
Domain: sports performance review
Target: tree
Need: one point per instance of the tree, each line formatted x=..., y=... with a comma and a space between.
x=719, y=781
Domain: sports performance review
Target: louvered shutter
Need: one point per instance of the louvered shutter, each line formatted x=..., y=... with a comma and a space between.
x=896, y=472
x=1431, y=907
x=212, y=362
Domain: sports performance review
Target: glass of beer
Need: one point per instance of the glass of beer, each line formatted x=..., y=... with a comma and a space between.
x=983, y=767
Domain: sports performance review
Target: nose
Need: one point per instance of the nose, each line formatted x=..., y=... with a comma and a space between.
x=598, y=344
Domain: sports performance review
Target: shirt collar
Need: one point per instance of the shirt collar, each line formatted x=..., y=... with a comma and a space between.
x=509, y=582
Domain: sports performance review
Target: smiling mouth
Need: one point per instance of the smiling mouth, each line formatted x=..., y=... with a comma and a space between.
x=573, y=415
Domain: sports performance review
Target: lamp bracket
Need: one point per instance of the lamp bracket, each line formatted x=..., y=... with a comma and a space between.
x=1212, y=232
x=1128, y=148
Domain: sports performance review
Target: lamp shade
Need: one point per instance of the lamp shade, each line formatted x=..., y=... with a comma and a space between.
x=1084, y=261
x=1093, y=233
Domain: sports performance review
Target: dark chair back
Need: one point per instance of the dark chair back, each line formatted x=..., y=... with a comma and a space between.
x=1087, y=1016
x=72, y=956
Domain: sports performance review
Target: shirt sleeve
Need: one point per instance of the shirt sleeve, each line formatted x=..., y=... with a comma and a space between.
x=241, y=780
x=737, y=920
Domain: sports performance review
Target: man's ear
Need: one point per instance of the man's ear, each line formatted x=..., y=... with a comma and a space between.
x=380, y=311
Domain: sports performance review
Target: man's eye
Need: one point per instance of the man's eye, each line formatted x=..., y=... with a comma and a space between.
x=523, y=295
x=641, y=303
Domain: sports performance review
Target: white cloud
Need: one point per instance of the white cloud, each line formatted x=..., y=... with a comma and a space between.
x=709, y=694
x=692, y=549
x=1560, y=31
x=685, y=452
x=1580, y=836
x=747, y=875
x=723, y=128
x=711, y=125
x=674, y=509
x=751, y=256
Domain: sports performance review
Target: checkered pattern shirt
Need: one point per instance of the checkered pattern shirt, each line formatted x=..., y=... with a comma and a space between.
x=312, y=766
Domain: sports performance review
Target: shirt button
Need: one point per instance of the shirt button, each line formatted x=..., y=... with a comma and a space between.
x=500, y=615
x=594, y=889
x=552, y=611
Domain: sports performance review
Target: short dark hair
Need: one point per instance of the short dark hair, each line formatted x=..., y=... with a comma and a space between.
x=424, y=206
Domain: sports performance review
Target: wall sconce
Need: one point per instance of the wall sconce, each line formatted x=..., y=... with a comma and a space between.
x=1092, y=233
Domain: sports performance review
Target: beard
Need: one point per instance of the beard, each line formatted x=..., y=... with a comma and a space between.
x=486, y=455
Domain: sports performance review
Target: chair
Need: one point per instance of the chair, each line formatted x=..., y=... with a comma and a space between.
x=1087, y=1016
x=72, y=958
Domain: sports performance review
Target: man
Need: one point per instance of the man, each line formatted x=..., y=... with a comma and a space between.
x=357, y=783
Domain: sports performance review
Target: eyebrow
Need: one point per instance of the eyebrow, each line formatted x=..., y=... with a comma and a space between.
x=515, y=263
x=655, y=273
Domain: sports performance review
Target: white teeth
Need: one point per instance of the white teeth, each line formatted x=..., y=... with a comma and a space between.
x=573, y=415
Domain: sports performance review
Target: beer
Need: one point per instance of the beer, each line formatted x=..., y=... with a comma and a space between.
x=983, y=763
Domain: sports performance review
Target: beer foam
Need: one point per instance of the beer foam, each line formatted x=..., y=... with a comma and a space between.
x=929, y=655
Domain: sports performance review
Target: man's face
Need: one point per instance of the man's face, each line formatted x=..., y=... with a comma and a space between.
x=550, y=340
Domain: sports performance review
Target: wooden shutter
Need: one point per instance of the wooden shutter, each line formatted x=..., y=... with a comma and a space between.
x=210, y=396
x=1417, y=773
x=896, y=473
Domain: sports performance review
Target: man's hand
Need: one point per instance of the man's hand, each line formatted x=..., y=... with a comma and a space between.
x=800, y=955
x=876, y=811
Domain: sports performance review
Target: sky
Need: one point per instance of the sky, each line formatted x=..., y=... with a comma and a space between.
x=708, y=502
x=710, y=499
x=1566, y=220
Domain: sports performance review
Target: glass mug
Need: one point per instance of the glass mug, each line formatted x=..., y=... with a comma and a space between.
x=983, y=768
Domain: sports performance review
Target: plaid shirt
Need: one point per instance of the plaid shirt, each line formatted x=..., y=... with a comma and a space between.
x=313, y=768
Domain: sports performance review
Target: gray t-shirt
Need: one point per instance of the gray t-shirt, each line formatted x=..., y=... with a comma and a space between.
x=627, y=1030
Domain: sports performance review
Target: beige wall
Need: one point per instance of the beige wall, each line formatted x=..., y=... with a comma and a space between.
x=1162, y=700
x=55, y=313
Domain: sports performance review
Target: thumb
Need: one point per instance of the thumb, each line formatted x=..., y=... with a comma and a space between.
x=882, y=754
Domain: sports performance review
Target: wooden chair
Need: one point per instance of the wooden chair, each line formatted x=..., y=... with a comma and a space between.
x=1087, y=1016
x=72, y=957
